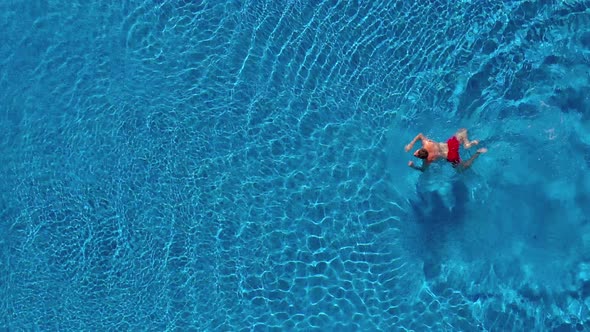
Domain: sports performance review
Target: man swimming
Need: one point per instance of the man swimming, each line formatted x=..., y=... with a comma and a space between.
x=431, y=151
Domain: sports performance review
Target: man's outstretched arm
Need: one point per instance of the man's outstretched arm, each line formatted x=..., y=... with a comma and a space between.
x=409, y=146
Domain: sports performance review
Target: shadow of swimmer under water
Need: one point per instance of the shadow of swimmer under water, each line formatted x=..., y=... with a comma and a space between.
x=440, y=203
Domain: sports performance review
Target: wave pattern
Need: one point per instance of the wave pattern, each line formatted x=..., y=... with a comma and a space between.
x=223, y=165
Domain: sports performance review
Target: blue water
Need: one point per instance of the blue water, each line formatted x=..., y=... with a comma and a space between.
x=239, y=165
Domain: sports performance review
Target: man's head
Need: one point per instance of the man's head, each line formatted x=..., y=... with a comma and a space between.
x=421, y=153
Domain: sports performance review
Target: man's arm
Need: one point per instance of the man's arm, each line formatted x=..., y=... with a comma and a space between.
x=419, y=136
x=422, y=168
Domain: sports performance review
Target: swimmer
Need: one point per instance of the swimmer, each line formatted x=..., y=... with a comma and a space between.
x=431, y=151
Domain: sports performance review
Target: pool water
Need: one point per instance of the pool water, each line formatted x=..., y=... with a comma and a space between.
x=240, y=165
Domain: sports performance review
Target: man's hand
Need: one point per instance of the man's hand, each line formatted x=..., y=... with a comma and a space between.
x=482, y=150
x=421, y=168
x=408, y=147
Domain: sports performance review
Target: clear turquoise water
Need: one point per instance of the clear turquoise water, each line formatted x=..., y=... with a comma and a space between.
x=239, y=165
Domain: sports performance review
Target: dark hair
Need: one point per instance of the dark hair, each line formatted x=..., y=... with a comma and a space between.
x=422, y=153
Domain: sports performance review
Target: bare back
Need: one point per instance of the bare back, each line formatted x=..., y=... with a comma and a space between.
x=435, y=150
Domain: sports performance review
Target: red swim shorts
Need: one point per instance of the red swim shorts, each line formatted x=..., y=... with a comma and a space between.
x=453, y=155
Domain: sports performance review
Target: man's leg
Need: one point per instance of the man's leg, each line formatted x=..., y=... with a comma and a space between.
x=464, y=139
x=466, y=164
